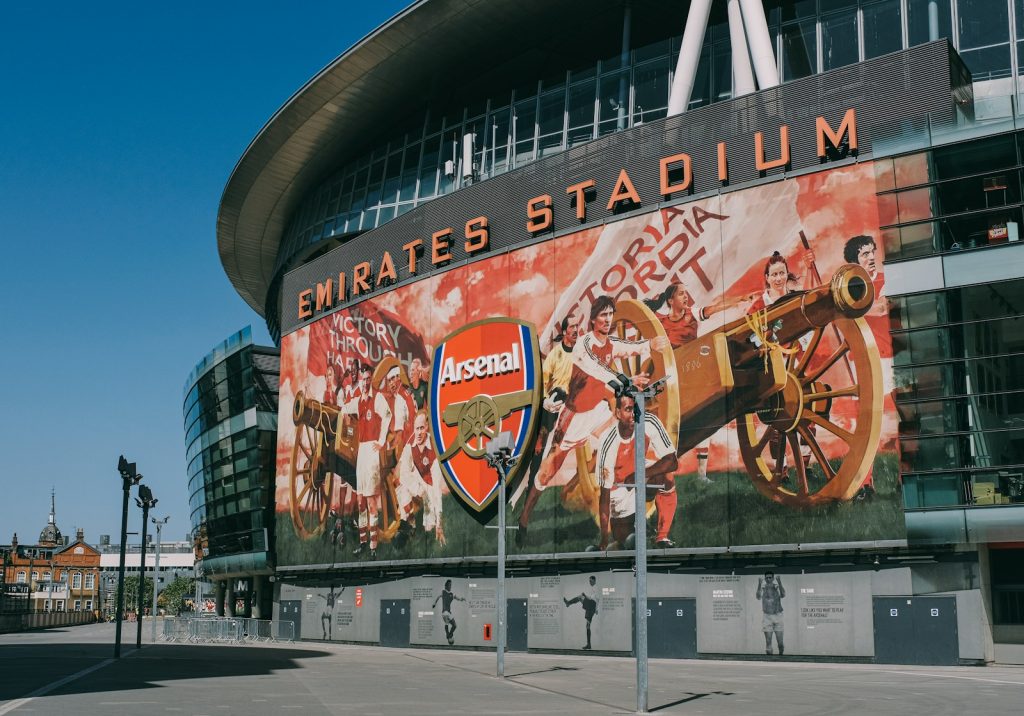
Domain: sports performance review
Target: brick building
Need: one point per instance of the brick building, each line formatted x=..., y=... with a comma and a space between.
x=62, y=575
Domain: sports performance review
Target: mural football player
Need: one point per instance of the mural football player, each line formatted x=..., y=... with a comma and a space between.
x=419, y=476
x=770, y=591
x=327, y=616
x=615, y=464
x=586, y=413
x=557, y=371
x=681, y=327
x=862, y=250
x=446, y=597
x=374, y=418
x=344, y=505
x=589, y=604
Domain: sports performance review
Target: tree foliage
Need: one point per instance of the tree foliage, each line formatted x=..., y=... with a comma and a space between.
x=173, y=596
x=131, y=593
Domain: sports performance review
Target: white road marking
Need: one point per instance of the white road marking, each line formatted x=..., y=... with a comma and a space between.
x=954, y=676
x=43, y=690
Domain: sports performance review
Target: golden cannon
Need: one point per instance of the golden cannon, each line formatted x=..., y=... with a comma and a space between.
x=784, y=375
x=325, y=445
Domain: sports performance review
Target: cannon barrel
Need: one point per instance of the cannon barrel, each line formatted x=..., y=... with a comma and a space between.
x=312, y=413
x=849, y=294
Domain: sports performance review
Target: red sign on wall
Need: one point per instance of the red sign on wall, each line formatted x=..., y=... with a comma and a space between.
x=359, y=596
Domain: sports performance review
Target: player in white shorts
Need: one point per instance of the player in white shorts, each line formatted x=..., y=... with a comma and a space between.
x=419, y=475
x=374, y=418
x=615, y=469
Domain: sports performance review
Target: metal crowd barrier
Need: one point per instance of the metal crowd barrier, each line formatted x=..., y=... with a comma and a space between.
x=226, y=630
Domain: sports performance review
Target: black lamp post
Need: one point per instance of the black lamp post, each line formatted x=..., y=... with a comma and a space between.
x=129, y=477
x=146, y=501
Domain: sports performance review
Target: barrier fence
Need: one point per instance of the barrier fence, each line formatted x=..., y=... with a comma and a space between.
x=226, y=630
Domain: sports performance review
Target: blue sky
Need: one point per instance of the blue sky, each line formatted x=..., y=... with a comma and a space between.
x=119, y=125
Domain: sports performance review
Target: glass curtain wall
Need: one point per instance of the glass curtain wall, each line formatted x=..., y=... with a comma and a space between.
x=950, y=199
x=958, y=359
x=541, y=117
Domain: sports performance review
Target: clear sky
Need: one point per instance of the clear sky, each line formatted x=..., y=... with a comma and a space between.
x=119, y=125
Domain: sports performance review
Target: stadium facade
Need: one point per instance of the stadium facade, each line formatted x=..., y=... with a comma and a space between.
x=803, y=216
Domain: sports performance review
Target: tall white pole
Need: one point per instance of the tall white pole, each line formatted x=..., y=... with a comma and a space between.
x=621, y=119
x=756, y=25
x=742, y=73
x=689, y=56
x=156, y=571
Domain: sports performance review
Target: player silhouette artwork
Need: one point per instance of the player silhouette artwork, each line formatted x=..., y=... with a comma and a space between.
x=589, y=604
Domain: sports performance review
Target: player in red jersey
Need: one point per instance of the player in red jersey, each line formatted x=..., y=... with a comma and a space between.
x=374, y=417
x=615, y=470
x=586, y=414
x=419, y=476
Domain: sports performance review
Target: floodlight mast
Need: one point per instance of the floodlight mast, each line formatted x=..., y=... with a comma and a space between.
x=129, y=477
x=499, y=456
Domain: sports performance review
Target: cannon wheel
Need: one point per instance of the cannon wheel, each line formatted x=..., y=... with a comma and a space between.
x=635, y=321
x=310, y=484
x=771, y=438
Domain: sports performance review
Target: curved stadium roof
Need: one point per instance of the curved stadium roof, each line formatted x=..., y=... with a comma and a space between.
x=424, y=53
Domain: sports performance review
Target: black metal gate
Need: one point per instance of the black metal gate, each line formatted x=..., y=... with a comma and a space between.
x=291, y=611
x=671, y=628
x=916, y=630
x=395, y=617
x=517, y=621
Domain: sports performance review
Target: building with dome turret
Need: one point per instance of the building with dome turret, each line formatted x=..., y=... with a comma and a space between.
x=56, y=574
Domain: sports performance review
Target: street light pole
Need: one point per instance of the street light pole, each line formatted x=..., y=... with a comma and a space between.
x=625, y=387
x=129, y=477
x=156, y=568
x=145, y=500
x=499, y=456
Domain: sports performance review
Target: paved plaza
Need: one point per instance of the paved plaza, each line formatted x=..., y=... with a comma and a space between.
x=70, y=671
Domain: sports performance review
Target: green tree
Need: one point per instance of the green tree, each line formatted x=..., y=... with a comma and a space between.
x=131, y=593
x=173, y=596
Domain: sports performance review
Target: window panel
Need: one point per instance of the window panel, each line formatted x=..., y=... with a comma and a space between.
x=882, y=28
x=799, y=51
x=929, y=20
x=650, y=92
x=839, y=39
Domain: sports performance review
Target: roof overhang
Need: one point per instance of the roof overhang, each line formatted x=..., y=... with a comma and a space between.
x=424, y=51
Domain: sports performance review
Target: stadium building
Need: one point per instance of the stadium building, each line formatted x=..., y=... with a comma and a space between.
x=803, y=218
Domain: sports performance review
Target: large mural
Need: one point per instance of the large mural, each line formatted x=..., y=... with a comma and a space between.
x=764, y=310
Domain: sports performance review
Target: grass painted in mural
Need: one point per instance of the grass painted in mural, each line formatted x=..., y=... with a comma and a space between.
x=727, y=510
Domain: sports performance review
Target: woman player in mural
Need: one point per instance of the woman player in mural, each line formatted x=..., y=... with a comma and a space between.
x=589, y=604
x=446, y=597
x=681, y=326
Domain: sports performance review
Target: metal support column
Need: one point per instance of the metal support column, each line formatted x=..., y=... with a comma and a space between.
x=756, y=27
x=499, y=456
x=689, y=56
x=742, y=72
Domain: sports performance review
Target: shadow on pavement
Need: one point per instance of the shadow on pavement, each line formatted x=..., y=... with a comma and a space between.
x=24, y=668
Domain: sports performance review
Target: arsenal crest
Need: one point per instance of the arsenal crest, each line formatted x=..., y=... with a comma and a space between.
x=486, y=380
